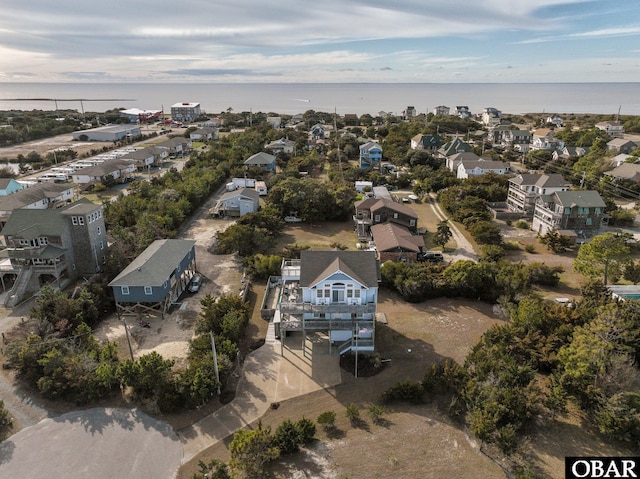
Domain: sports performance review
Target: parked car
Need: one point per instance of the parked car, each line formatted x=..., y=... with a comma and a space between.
x=194, y=285
x=292, y=219
x=431, y=256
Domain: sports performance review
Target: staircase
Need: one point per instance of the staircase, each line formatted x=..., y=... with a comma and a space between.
x=350, y=345
x=271, y=334
x=19, y=287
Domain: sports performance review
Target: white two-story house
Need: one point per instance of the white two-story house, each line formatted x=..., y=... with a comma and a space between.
x=334, y=292
x=525, y=188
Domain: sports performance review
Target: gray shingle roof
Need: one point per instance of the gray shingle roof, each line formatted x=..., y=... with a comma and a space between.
x=261, y=158
x=315, y=266
x=580, y=198
x=32, y=223
x=155, y=264
x=105, y=168
x=28, y=196
x=253, y=194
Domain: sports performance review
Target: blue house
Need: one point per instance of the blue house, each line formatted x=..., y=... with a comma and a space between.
x=156, y=278
x=8, y=186
x=370, y=155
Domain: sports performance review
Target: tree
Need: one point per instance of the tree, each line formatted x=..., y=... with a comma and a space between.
x=6, y=421
x=556, y=242
x=214, y=469
x=604, y=255
x=632, y=272
x=443, y=234
x=251, y=449
x=485, y=232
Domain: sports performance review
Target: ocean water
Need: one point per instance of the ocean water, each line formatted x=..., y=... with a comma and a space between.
x=358, y=98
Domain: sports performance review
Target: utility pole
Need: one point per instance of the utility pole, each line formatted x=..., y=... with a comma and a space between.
x=126, y=331
x=215, y=359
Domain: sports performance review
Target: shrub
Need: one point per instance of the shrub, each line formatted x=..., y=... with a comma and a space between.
x=443, y=376
x=306, y=430
x=327, y=420
x=410, y=391
x=531, y=249
x=522, y=224
x=6, y=421
x=353, y=413
x=492, y=252
x=214, y=469
x=376, y=412
x=287, y=437
x=511, y=246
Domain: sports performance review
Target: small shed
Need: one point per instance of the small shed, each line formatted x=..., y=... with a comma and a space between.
x=156, y=278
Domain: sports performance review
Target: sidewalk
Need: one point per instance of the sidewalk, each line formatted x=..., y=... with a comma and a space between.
x=267, y=377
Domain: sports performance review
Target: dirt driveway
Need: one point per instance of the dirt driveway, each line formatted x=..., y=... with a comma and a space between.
x=220, y=274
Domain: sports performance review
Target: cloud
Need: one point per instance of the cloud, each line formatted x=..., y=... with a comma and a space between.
x=302, y=41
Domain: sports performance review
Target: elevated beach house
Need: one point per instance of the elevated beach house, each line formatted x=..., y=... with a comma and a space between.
x=156, y=278
x=581, y=212
x=525, y=188
x=53, y=246
x=332, y=292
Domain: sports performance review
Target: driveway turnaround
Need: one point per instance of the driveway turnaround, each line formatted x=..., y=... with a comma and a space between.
x=270, y=374
x=97, y=443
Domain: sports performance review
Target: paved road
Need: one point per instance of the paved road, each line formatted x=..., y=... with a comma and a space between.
x=464, y=249
x=100, y=443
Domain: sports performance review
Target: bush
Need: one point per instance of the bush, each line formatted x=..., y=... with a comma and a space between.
x=447, y=376
x=410, y=391
x=6, y=421
x=327, y=420
x=531, y=249
x=353, y=413
x=485, y=232
x=287, y=437
x=306, y=430
x=376, y=412
x=214, y=469
x=521, y=224
x=492, y=252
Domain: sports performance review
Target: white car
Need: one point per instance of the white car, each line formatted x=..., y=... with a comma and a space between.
x=292, y=219
x=194, y=285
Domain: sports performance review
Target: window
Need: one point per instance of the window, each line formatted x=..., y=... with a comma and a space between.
x=395, y=215
x=567, y=211
x=148, y=290
x=356, y=293
x=81, y=220
x=74, y=220
x=99, y=230
x=412, y=222
x=124, y=290
x=101, y=245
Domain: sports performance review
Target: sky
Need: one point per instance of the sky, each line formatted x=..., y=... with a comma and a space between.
x=334, y=41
